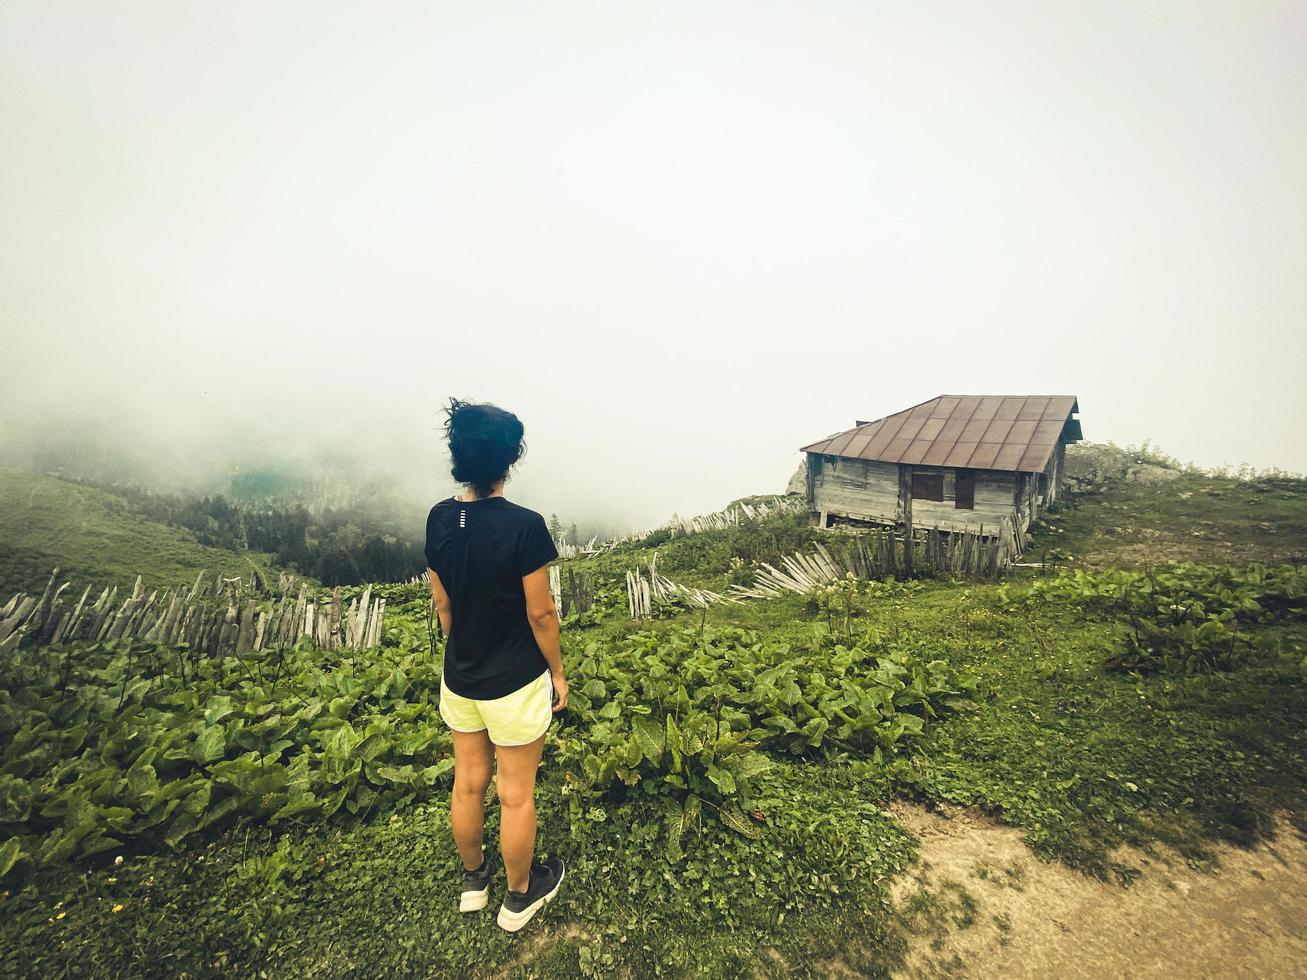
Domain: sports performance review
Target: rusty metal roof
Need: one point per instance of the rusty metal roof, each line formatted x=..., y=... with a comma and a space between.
x=985, y=432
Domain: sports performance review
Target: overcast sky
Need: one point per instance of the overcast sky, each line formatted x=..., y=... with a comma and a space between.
x=680, y=240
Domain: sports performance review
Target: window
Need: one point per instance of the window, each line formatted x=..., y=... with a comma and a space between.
x=964, y=493
x=927, y=486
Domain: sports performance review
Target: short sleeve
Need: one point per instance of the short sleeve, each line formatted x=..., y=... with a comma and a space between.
x=433, y=528
x=535, y=547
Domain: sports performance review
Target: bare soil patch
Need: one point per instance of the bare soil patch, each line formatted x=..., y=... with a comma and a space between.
x=980, y=903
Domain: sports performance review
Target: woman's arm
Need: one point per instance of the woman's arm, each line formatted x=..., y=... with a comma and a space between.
x=441, y=599
x=543, y=616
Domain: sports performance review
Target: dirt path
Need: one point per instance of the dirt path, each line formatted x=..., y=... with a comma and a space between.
x=981, y=904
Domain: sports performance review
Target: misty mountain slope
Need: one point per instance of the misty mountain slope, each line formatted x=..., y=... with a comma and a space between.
x=95, y=538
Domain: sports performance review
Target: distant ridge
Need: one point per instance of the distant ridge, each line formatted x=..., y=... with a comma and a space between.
x=92, y=534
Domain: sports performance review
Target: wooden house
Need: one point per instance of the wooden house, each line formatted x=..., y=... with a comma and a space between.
x=973, y=463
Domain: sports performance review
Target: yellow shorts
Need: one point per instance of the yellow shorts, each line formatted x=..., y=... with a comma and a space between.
x=515, y=719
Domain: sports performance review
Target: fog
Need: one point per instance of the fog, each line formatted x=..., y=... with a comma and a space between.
x=679, y=240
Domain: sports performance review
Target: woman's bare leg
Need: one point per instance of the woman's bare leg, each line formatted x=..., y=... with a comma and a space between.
x=473, y=754
x=517, y=767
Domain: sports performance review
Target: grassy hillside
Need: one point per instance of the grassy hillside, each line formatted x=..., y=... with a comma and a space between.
x=721, y=783
x=1144, y=510
x=95, y=538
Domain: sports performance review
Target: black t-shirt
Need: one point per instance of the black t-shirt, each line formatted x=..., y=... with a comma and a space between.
x=481, y=549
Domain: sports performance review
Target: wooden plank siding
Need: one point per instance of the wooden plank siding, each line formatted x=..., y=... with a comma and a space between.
x=858, y=488
x=869, y=491
x=993, y=503
x=879, y=492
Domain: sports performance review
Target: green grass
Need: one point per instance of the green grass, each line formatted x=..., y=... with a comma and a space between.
x=376, y=897
x=1083, y=758
x=1079, y=757
x=92, y=535
x=1192, y=517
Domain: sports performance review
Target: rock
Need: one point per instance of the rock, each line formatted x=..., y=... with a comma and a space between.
x=1151, y=474
x=1090, y=466
x=799, y=481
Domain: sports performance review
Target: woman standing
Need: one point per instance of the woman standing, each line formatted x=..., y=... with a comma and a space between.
x=503, y=674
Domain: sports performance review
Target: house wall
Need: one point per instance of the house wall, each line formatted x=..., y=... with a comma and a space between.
x=1027, y=498
x=1044, y=488
x=994, y=490
x=869, y=490
x=858, y=488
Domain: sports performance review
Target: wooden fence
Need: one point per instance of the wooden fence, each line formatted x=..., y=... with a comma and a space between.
x=732, y=516
x=884, y=552
x=228, y=616
x=575, y=592
x=735, y=515
x=647, y=587
x=556, y=588
x=875, y=554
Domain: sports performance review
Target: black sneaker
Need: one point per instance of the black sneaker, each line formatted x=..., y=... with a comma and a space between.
x=476, y=885
x=519, y=907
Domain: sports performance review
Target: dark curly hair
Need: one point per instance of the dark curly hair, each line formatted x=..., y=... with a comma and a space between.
x=484, y=442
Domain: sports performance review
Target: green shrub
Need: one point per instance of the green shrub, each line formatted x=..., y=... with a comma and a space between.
x=750, y=542
x=110, y=743
x=1185, y=617
x=686, y=715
